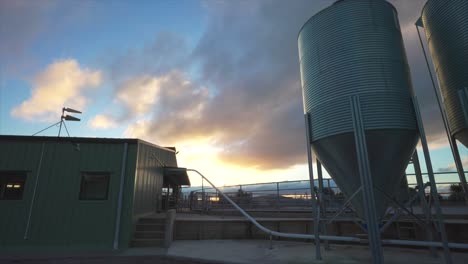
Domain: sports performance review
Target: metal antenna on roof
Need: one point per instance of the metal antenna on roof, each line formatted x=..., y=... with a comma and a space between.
x=63, y=118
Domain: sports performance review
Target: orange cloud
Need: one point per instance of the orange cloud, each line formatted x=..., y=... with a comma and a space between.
x=103, y=122
x=62, y=83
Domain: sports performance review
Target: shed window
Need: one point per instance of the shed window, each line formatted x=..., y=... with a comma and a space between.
x=12, y=185
x=94, y=186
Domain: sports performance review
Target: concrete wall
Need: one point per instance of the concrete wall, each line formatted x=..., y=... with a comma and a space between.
x=243, y=229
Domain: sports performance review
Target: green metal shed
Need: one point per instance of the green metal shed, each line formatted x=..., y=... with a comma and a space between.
x=78, y=193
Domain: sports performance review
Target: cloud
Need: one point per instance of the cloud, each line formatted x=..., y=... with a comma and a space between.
x=175, y=104
x=139, y=94
x=62, y=83
x=243, y=92
x=168, y=51
x=24, y=25
x=20, y=24
x=252, y=110
x=453, y=167
x=102, y=122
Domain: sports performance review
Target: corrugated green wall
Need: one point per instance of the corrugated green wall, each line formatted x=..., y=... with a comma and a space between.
x=149, y=178
x=58, y=217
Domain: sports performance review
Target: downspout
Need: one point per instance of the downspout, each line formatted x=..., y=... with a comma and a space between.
x=28, y=222
x=120, y=199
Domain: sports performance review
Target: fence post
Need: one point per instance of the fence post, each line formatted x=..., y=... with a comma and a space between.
x=277, y=196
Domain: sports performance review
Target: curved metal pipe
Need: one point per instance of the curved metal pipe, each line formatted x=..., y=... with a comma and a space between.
x=331, y=238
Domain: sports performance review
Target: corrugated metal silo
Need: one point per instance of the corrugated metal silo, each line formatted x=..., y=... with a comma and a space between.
x=356, y=48
x=446, y=26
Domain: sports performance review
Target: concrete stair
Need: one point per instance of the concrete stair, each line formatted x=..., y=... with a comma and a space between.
x=149, y=232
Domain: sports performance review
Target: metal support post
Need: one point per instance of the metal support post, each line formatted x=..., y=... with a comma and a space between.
x=463, y=96
x=430, y=172
x=203, y=195
x=422, y=199
x=459, y=166
x=373, y=230
x=318, y=254
x=60, y=128
x=322, y=204
x=451, y=139
x=320, y=179
x=277, y=196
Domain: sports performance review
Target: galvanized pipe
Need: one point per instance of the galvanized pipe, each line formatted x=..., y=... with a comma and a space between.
x=423, y=243
x=331, y=238
x=271, y=232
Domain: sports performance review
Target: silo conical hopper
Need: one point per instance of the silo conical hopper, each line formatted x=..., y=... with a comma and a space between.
x=446, y=26
x=355, y=47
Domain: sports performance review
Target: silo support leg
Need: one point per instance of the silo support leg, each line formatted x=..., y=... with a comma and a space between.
x=318, y=254
x=430, y=172
x=323, y=225
x=460, y=169
x=463, y=95
x=373, y=230
x=423, y=202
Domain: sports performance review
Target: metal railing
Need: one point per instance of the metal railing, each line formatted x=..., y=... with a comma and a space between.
x=294, y=195
x=272, y=233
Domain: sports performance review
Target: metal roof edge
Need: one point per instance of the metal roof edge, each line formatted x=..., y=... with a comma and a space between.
x=67, y=139
x=155, y=146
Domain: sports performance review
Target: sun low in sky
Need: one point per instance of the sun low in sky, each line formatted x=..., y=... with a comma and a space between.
x=217, y=79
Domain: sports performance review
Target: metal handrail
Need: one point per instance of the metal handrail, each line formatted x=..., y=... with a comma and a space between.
x=327, y=179
x=330, y=238
x=271, y=232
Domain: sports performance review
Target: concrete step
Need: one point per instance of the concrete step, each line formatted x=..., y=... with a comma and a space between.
x=147, y=242
x=150, y=227
x=149, y=234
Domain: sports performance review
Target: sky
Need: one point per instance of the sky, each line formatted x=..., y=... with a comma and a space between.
x=217, y=79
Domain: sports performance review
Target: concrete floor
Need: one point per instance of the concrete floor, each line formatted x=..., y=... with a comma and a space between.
x=258, y=251
x=233, y=251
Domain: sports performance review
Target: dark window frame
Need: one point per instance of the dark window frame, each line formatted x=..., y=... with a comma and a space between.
x=8, y=178
x=82, y=196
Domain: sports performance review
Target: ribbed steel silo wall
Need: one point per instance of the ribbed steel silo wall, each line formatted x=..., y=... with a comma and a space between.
x=356, y=48
x=446, y=26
